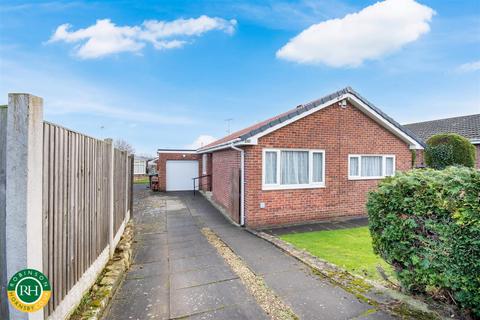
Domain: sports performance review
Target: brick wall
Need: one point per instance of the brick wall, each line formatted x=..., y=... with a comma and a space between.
x=226, y=166
x=420, y=158
x=339, y=132
x=205, y=183
x=162, y=165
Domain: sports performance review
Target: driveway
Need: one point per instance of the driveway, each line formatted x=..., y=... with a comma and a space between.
x=177, y=273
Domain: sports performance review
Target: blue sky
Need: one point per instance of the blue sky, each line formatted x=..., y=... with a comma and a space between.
x=192, y=64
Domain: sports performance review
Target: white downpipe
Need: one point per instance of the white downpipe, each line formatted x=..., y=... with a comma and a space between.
x=242, y=185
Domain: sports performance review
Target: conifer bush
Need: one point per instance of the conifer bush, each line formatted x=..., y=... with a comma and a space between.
x=426, y=224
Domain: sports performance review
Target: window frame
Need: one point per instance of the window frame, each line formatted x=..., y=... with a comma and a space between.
x=278, y=185
x=384, y=166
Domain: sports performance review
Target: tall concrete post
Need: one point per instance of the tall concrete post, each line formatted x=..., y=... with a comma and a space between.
x=24, y=171
x=3, y=213
x=111, y=231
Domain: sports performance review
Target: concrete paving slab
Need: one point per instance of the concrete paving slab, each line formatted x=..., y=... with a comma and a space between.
x=237, y=312
x=198, y=277
x=141, y=309
x=152, y=253
x=197, y=262
x=192, y=251
x=142, y=288
x=294, y=281
x=149, y=270
x=271, y=263
x=190, y=301
x=329, y=304
x=173, y=237
x=151, y=236
x=201, y=242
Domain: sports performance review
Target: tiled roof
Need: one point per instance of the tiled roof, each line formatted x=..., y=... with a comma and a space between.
x=264, y=125
x=467, y=126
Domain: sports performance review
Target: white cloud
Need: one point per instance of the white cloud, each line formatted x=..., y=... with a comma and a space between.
x=200, y=141
x=376, y=30
x=469, y=67
x=105, y=38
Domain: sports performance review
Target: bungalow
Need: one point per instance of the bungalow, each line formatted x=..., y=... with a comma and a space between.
x=467, y=126
x=315, y=162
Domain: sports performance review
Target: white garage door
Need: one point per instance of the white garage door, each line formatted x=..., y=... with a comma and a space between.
x=180, y=174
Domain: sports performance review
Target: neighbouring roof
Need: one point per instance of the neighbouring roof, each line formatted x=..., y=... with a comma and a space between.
x=467, y=126
x=174, y=150
x=264, y=125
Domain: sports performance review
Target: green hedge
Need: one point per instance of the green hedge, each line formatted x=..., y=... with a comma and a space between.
x=449, y=149
x=426, y=224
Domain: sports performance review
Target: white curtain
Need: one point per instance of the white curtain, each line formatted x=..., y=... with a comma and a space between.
x=317, y=167
x=270, y=167
x=389, y=166
x=354, y=172
x=294, y=167
x=371, y=166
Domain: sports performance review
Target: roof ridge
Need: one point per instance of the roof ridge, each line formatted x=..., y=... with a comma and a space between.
x=442, y=119
x=261, y=126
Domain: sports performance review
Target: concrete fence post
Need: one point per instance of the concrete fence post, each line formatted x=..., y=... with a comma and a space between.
x=24, y=173
x=111, y=228
x=127, y=181
x=3, y=213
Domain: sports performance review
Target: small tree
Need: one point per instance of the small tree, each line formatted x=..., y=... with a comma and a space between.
x=449, y=149
x=123, y=145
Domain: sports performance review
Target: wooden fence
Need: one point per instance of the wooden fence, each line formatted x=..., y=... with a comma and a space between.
x=85, y=187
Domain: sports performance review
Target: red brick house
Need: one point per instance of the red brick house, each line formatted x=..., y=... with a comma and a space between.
x=315, y=162
x=467, y=126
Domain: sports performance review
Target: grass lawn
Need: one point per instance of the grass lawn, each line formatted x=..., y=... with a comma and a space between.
x=141, y=181
x=350, y=249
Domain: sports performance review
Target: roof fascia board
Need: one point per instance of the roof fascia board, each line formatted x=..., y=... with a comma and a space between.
x=225, y=145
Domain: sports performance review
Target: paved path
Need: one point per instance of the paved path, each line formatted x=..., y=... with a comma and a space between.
x=321, y=226
x=178, y=274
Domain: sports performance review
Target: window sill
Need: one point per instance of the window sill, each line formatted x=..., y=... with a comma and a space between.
x=366, y=178
x=293, y=187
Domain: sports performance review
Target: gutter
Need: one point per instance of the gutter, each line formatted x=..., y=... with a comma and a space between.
x=242, y=185
x=226, y=145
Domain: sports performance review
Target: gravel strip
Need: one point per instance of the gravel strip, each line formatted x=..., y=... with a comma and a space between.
x=266, y=298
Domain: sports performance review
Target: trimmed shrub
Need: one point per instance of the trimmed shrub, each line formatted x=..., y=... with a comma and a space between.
x=426, y=224
x=449, y=149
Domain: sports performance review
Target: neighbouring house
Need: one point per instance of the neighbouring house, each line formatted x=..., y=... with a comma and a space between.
x=315, y=162
x=467, y=126
x=140, y=165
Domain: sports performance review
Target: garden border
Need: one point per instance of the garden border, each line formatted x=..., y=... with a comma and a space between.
x=381, y=297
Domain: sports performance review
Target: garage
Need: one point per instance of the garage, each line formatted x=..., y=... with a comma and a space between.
x=179, y=174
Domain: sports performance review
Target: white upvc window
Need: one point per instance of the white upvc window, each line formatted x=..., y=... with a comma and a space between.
x=204, y=163
x=370, y=166
x=293, y=169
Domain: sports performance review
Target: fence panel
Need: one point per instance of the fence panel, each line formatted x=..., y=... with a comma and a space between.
x=119, y=189
x=76, y=200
